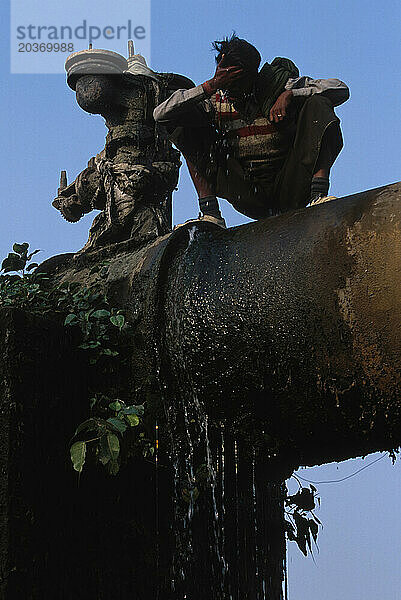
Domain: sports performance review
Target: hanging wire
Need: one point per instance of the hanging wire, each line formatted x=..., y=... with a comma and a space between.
x=343, y=478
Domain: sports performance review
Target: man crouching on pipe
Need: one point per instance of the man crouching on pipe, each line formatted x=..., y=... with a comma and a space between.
x=263, y=140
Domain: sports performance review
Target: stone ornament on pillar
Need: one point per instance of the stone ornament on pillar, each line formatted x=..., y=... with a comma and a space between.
x=132, y=179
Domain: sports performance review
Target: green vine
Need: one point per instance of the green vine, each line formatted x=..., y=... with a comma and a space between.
x=112, y=424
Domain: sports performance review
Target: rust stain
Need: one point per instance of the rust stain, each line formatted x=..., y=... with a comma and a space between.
x=370, y=301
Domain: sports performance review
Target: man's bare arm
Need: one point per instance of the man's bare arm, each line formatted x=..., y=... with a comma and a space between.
x=186, y=107
x=337, y=91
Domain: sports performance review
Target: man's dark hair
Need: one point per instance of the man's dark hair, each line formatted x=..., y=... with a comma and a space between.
x=237, y=52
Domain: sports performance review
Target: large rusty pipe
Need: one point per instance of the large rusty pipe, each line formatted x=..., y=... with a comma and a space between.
x=294, y=319
x=297, y=318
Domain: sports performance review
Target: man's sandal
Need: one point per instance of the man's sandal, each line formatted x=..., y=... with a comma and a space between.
x=204, y=218
x=321, y=199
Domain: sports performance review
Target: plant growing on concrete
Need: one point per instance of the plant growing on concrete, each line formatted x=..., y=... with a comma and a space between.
x=112, y=424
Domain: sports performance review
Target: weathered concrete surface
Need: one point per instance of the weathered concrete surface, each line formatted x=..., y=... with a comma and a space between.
x=42, y=392
x=294, y=320
x=64, y=537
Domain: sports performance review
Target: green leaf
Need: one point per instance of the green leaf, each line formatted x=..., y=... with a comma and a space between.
x=34, y=287
x=95, y=296
x=118, y=321
x=13, y=263
x=301, y=541
x=12, y=278
x=289, y=528
x=70, y=318
x=88, y=425
x=109, y=352
x=104, y=453
x=309, y=542
x=78, y=453
x=190, y=496
x=21, y=248
x=133, y=420
x=313, y=529
x=134, y=410
x=89, y=345
x=303, y=499
x=118, y=424
x=315, y=517
x=32, y=266
x=116, y=405
x=113, y=446
x=113, y=467
x=32, y=254
x=303, y=532
x=100, y=314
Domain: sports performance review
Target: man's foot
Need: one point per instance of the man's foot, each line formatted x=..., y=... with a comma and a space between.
x=212, y=219
x=205, y=218
x=320, y=200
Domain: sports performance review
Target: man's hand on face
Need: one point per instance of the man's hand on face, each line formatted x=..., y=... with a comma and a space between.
x=279, y=109
x=223, y=78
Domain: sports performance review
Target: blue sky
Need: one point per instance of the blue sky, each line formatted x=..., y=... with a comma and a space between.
x=44, y=131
